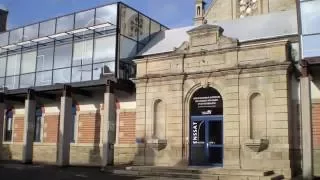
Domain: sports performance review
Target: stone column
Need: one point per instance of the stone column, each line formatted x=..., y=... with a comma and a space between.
x=29, y=123
x=306, y=120
x=2, y=108
x=65, y=128
x=108, y=125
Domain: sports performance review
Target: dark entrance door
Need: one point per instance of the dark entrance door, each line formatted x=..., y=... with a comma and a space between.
x=206, y=128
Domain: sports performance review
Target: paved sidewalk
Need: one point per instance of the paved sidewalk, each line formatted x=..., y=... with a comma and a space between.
x=14, y=171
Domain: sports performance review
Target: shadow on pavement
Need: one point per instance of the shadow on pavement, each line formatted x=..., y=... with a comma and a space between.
x=17, y=171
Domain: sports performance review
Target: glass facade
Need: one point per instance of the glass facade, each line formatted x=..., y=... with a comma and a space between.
x=74, y=48
x=310, y=31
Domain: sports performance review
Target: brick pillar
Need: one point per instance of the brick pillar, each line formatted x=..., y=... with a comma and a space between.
x=65, y=128
x=2, y=107
x=305, y=96
x=29, y=123
x=108, y=127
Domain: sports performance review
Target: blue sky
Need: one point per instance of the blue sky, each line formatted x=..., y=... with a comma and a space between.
x=173, y=13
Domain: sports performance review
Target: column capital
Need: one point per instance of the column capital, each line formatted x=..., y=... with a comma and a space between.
x=31, y=94
x=110, y=86
x=67, y=91
x=305, y=72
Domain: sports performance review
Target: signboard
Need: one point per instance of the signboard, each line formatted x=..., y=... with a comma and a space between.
x=206, y=102
x=198, y=132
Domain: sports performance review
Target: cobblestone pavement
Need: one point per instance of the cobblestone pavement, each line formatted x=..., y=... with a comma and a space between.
x=39, y=172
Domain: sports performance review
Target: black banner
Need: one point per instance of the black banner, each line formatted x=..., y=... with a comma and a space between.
x=206, y=102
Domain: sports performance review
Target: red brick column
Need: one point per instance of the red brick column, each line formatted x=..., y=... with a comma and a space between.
x=316, y=125
x=51, y=128
x=127, y=129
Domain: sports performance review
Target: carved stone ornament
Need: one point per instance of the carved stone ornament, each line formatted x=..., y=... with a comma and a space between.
x=248, y=7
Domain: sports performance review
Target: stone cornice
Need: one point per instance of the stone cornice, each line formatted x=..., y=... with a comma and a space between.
x=241, y=69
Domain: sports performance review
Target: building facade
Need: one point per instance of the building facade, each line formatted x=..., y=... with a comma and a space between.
x=226, y=92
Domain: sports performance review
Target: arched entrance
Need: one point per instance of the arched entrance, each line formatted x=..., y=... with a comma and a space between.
x=206, y=128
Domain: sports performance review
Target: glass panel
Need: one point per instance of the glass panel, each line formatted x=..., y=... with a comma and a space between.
x=105, y=49
x=16, y=36
x=144, y=29
x=311, y=46
x=27, y=80
x=47, y=28
x=61, y=76
x=81, y=73
x=310, y=17
x=13, y=65
x=129, y=22
x=65, y=23
x=28, y=63
x=45, y=58
x=215, y=155
x=107, y=14
x=1, y=82
x=4, y=39
x=12, y=82
x=31, y=32
x=155, y=27
x=198, y=154
x=98, y=69
x=215, y=133
x=128, y=48
x=44, y=78
x=3, y=63
x=84, y=19
x=62, y=56
x=82, y=52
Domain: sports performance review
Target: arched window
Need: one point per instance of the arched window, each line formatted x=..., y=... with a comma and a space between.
x=258, y=119
x=38, y=125
x=159, y=120
x=8, y=126
x=198, y=10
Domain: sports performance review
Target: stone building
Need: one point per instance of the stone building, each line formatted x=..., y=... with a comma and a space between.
x=224, y=93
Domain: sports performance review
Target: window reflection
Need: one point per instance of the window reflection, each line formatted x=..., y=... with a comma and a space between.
x=82, y=52
x=12, y=82
x=104, y=49
x=47, y=28
x=31, y=32
x=107, y=14
x=44, y=78
x=27, y=80
x=144, y=29
x=16, y=36
x=65, y=23
x=128, y=48
x=3, y=63
x=4, y=39
x=45, y=58
x=62, y=56
x=98, y=69
x=129, y=22
x=81, y=73
x=13, y=64
x=61, y=76
x=28, y=63
x=310, y=17
x=84, y=19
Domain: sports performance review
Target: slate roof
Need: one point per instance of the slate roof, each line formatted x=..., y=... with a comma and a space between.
x=250, y=28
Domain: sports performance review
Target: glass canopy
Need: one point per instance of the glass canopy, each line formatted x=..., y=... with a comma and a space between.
x=77, y=47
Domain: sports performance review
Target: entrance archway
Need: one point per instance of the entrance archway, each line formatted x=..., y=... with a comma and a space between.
x=206, y=128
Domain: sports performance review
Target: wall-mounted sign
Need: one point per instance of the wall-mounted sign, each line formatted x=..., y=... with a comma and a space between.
x=206, y=102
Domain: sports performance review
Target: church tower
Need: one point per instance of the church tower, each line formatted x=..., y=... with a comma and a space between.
x=199, y=12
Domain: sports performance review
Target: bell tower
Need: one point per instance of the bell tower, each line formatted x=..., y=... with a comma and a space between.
x=199, y=12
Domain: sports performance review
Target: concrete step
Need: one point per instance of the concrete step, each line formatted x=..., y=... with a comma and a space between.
x=199, y=173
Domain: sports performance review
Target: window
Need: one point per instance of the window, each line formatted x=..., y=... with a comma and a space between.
x=105, y=49
x=62, y=56
x=128, y=48
x=310, y=17
x=44, y=78
x=61, y=76
x=13, y=65
x=81, y=73
x=45, y=58
x=27, y=80
x=98, y=69
x=28, y=63
x=84, y=19
x=144, y=29
x=16, y=36
x=47, y=28
x=38, y=125
x=155, y=28
x=65, y=23
x=82, y=52
x=129, y=22
x=8, y=126
x=3, y=63
x=30, y=32
x=107, y=14
x=159, y=120
x=4, y=39
x=12, y=82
